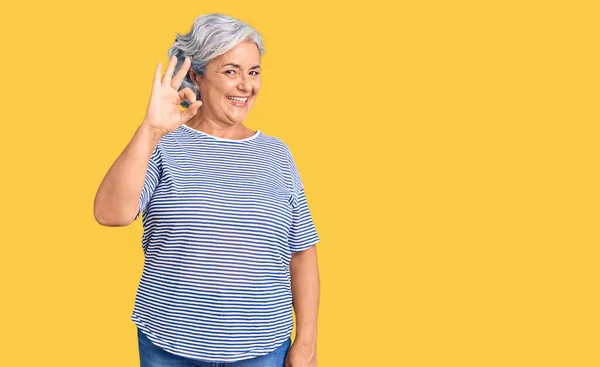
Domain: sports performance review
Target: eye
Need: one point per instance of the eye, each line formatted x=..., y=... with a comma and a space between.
x=227, y=72
x=256, y=72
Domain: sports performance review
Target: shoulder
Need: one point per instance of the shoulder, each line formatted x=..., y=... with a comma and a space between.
x=276, y=146
x=176, y=141
x=273, y=140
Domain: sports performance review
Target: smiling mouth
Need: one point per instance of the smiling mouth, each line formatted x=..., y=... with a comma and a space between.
x=238, y=101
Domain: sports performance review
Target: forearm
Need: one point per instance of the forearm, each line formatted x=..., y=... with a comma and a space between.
x=117, y=198
x=304, y=272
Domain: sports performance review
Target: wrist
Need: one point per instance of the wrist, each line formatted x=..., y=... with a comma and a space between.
x=152, y=131
x=308, y=338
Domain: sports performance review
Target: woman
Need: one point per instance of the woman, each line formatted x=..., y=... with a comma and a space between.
x=229, y=242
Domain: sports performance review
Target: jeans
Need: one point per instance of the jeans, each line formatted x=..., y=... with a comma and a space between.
x=153, y=356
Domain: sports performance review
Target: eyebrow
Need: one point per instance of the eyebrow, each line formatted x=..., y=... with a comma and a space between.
x=237, y=66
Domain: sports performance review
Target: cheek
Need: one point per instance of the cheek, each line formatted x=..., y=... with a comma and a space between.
x=222, y=86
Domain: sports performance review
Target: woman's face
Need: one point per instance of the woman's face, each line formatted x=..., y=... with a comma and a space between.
x=230, y=84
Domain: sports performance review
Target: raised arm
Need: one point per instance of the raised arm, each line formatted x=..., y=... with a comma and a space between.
x=117, y=199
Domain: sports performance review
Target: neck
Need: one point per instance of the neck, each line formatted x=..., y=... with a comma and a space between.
x=219, y=129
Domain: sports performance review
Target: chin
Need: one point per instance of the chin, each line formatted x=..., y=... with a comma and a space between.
x=238, y=118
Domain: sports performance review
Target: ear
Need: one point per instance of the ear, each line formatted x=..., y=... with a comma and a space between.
x=195, y=78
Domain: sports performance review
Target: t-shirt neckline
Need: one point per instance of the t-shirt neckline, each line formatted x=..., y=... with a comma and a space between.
x=256, y=134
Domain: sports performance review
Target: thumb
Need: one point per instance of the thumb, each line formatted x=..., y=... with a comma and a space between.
x=190, y=111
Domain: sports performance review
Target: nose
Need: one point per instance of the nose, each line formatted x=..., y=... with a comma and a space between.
x=244, y=83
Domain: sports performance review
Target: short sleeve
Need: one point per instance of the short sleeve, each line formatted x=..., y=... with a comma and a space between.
x=153, y=174
x=303, y=233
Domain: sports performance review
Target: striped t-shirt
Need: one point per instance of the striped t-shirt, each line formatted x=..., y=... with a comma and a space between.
x=221, y=220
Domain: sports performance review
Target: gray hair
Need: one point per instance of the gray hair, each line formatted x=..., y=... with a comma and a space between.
x=211, y=35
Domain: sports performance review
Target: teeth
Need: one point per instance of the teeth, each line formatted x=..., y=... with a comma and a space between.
x=238, y=99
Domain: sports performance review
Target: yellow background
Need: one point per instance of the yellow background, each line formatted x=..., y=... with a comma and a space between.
x=449, y=151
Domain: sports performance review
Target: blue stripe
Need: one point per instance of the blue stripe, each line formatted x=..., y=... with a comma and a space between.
x=221, y=220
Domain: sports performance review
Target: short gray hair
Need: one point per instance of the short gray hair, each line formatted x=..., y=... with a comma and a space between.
x=211, y=35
